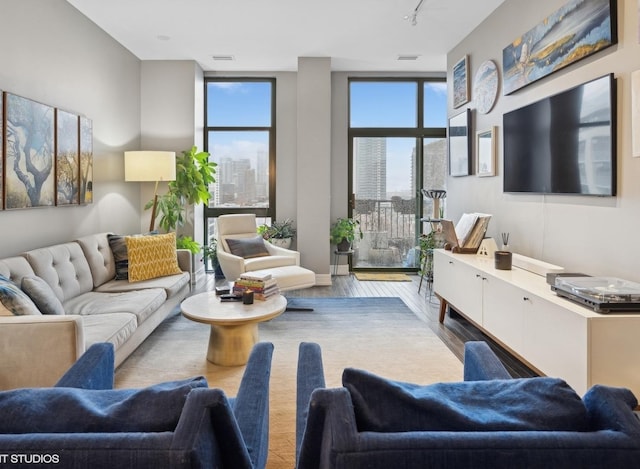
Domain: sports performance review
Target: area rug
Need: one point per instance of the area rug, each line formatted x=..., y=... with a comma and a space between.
x=382, y=277
x=381, y=335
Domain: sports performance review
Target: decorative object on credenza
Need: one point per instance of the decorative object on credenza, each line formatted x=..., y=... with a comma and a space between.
x=460, y=144
x=460, y=74
x=503, y=260
x=150, y=166
x=29, y=150
x=487, y=248
x=575, y=31
x=67, y=158
x=86, y=160
x=505, y=241
x=486, y=152
x=485, y=86
x=635, y=113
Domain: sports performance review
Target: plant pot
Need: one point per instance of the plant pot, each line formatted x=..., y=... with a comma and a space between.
x=281, y=242
x=344, y=245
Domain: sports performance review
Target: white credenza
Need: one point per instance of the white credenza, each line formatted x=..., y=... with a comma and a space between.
x=554, y=335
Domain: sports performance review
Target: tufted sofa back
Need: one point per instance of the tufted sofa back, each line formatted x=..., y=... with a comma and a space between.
x=99, y=256
x=64, y=267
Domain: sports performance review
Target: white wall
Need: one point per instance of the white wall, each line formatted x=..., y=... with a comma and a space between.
x=67, y=62
x=172, y=119
x=584, y=234
x=314, y=163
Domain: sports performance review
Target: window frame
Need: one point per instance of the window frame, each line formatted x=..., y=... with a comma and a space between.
x=261, y=212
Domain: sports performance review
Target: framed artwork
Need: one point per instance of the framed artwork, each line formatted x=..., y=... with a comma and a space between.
x=461, y=82
x=67, y=158
x=1, y=155
x=29, y=166
x=635, y=113
x=485, y=86
x=486, y=152
x=575, y=31
x=460, y=144
x=86, y=160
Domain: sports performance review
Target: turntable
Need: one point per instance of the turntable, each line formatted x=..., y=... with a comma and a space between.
x=602, y=294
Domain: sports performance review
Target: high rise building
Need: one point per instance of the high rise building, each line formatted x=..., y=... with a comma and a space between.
x=371, y=171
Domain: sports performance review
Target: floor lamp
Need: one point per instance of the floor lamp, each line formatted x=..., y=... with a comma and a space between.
x=150, y=166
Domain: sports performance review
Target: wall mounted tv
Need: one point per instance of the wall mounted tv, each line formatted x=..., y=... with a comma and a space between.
x=565, y=143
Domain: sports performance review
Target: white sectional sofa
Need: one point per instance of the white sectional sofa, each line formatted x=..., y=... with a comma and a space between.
x=36, y=349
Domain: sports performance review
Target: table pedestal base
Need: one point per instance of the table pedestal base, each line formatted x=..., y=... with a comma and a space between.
x=231, y=345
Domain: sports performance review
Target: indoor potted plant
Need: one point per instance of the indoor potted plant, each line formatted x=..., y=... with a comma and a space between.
x=194, y=173
x=343, y=233
x=280, y=233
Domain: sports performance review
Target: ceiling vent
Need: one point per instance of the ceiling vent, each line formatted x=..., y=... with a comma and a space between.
x=408, y=57
x=223, y=57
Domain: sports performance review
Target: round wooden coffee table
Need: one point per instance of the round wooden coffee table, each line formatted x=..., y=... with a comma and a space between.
x=234, y=326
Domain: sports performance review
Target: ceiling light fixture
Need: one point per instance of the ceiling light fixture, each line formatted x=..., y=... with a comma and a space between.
x=413, y=16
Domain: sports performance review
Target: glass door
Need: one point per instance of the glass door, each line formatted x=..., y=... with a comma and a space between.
x=384, y=201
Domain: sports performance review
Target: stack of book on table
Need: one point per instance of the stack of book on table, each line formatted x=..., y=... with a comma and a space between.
x=263, y=286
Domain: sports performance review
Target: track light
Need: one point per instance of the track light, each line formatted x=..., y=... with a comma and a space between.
x=413, y=16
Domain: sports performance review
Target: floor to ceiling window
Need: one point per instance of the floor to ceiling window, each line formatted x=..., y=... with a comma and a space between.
x=240, y=138
x=397, y=146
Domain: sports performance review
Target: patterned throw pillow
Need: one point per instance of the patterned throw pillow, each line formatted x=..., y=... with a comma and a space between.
x=42, y=295
x=152, y=256
x=247, y=247
x=119, y=249
x=14, y=300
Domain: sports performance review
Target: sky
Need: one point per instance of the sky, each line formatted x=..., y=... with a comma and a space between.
x=373, y=104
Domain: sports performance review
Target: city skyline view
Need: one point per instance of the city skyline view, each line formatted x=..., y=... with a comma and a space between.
x=236, y=104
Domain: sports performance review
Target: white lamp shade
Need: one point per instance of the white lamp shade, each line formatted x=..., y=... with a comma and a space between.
x=149, y=166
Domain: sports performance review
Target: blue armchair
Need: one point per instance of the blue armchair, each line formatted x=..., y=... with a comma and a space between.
x=330, y=423
x=210, y=430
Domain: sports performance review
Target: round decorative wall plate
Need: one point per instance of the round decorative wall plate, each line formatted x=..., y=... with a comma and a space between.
x=485, y=86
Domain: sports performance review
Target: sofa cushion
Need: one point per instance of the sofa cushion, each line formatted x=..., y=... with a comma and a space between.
x=69, y=410
x=14, y=301
x=247, y=247
x=172, y=284
x=141, y=303
x=152, y=256
x=535, y=404
x=115, y=328
x=42, y=295
x=118, y=247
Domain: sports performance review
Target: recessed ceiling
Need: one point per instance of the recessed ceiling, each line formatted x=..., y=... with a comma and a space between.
x=270, y=35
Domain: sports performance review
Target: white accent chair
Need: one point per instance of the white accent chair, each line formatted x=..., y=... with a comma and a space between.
x=282, y=264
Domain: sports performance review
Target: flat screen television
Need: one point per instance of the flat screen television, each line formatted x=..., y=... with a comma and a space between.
x=565, y=143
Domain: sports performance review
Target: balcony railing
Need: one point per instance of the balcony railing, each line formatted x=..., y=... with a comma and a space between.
x=389, y=228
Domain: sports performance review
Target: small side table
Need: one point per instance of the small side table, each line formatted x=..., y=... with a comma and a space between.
x=336, y=258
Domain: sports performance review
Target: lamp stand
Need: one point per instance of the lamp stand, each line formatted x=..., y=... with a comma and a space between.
x=153, y=209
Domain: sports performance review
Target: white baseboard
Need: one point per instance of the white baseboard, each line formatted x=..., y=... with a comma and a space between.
x=323, y=280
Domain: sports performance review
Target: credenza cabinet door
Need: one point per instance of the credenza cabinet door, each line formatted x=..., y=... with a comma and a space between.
x=556, y=342
x=503, y=312
x=460, y=284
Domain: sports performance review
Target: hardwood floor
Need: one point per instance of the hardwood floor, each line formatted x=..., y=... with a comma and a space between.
x=454, y=332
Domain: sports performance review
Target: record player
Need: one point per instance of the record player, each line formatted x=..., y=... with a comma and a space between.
x=602, y=294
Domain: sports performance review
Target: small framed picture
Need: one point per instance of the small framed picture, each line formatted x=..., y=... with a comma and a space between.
x=461, y=82
x=460, y=144
x=486, y=152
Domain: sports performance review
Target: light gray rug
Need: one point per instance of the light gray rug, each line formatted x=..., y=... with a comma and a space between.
x=381, y=335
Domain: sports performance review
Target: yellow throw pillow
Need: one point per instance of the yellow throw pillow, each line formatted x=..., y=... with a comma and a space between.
x=152, y=256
